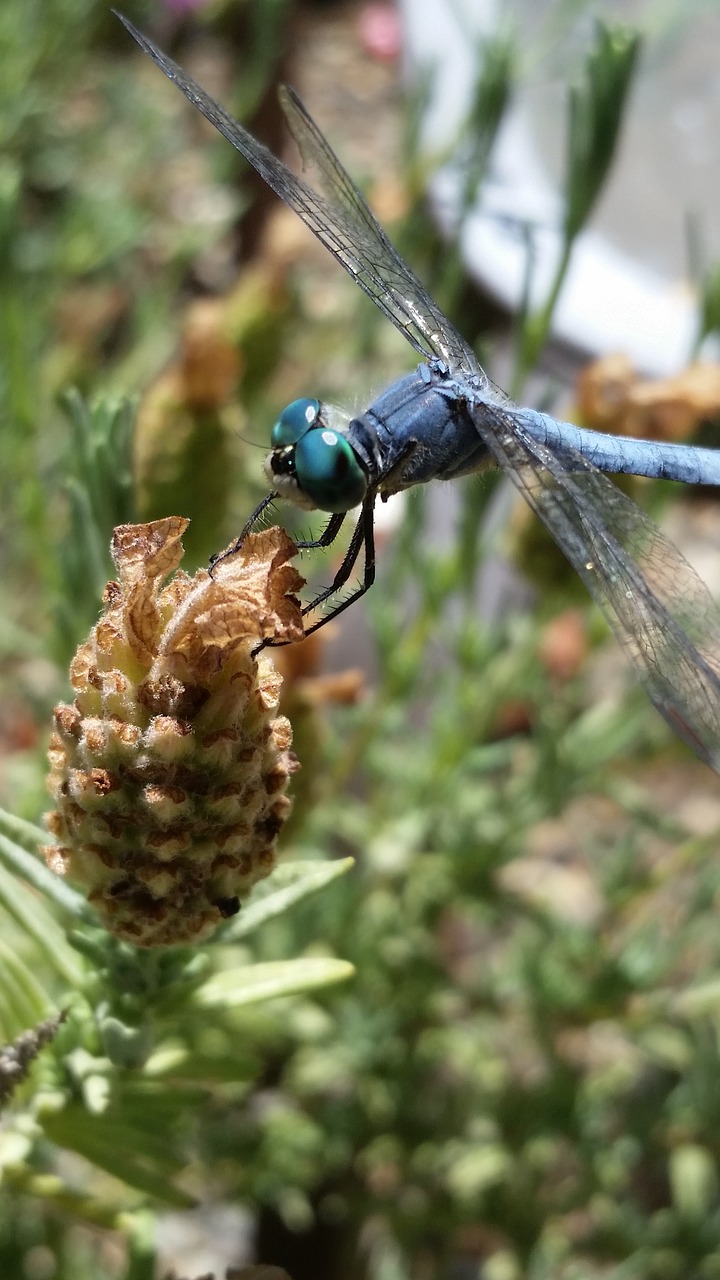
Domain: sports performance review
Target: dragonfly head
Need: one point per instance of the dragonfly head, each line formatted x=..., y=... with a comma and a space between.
x=311, y=464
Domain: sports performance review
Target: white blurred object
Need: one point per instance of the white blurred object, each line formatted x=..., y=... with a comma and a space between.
x=610, y=301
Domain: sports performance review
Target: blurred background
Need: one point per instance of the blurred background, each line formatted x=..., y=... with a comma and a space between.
x=523, y=1076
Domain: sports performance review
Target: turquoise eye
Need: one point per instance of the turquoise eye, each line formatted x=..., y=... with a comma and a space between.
x=328, y=471
x=294, y=421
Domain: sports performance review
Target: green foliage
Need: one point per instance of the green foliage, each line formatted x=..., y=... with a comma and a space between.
x=709, y=304
x=99, y=493
x=596, y=107
x=150, y=1039
x=596, y=110
x=521, y=1075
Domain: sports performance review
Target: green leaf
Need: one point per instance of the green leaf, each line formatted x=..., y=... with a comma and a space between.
x=596, y=112
x=29, y=912
x=137, y=1156
x=249, y=984
x=21, y=863
x=709, y=304
x=98, y=487
x=179, y=1064
x=23, y=1001
x=288, y=884
x=693, y=1182
x=23, y=833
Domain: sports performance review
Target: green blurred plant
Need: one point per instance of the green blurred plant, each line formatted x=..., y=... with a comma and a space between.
x=710, y=322
x=146, y=1044
x=99, y=493
x=596, y=108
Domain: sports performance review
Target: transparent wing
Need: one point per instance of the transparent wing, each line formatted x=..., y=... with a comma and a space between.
x=337, y=214
x=368, y=255
x=661, y=611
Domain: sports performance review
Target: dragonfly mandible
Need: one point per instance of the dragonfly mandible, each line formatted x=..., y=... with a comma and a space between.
x=446, y=419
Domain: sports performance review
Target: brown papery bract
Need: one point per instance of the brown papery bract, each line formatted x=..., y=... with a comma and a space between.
x=169, y=770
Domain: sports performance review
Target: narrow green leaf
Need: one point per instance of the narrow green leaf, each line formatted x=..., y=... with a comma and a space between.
x=251, y=983
x=29, y=912
x=702, y=1000
x=46, y=1189
x=23, y=1001
x=288, y=884
x=143, y=1098
x=23, y=833
x=236, y=1068
x=30, y=868
x=129, y=1154
x=142, y=1260
x=709, y=321
x=596, y=110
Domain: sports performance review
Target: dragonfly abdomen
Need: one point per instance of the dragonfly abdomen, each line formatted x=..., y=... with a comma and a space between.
x=623, y=455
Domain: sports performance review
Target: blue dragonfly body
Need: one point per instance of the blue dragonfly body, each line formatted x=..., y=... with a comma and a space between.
x=447, y=419
x=426, y=427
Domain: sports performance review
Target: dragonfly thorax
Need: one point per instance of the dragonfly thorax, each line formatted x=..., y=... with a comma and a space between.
x=311, y=464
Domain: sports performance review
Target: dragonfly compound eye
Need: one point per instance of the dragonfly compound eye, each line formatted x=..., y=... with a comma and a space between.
x=328, y=470
x=295, y=419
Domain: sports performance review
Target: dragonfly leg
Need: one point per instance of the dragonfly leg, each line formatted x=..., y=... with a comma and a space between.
x=236, y=545
x=328, y=535
x=363, y=536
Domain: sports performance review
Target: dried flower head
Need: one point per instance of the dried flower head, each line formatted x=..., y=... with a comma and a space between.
x=16, y=1058
x=169, y=770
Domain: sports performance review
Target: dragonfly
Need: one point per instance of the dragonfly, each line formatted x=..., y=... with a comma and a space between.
x=446, y=419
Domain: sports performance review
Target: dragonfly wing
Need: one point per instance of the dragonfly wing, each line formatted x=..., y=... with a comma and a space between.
x=337, y=214
x=363, y=248
x=661, y=611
